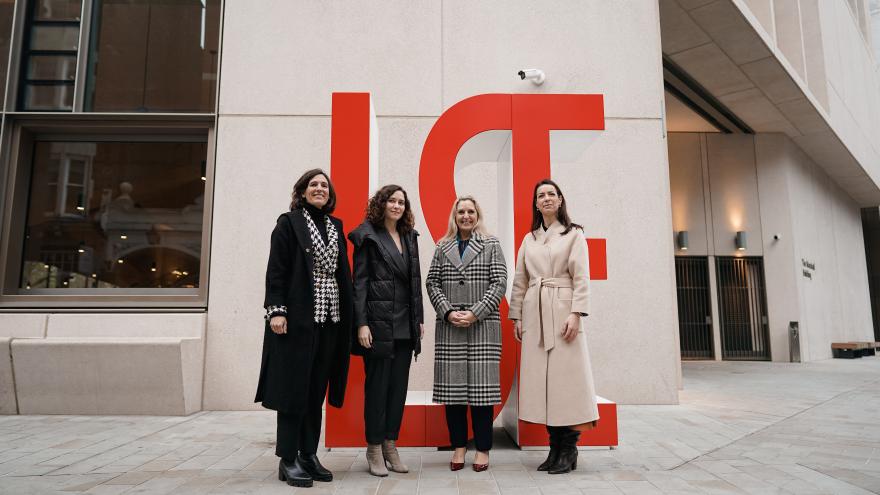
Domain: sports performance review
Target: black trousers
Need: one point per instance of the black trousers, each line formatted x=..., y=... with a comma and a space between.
x=481, y=422
x=385, y=392
x=300, y=431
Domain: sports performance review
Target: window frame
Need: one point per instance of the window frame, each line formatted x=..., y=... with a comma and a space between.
x=23, y=78
x=19, y=141
x=16, y=78
x=22, y=25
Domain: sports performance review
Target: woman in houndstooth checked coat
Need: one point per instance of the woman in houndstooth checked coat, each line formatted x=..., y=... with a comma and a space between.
x=307, y=278
x=467, y=279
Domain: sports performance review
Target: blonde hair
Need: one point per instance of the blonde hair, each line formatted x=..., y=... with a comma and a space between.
x=452, y=228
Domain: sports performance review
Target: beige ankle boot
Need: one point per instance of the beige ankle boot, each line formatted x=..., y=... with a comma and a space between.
x=375, y=460
x=389, y=451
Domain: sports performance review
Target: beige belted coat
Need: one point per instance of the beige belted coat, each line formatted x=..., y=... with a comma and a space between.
x=551, y=281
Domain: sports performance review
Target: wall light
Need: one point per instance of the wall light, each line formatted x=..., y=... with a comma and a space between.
x=740, y=240
x=682, y=240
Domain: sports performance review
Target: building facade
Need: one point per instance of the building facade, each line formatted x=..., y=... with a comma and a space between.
x=147, y=149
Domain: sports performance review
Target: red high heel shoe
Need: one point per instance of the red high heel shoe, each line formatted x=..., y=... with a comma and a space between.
x=457, y=466
x=481, y=467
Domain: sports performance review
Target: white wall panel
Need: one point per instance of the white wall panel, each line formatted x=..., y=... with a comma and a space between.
x=734, y=192
x=688, y=198
x=583, y=46
x=286, y=58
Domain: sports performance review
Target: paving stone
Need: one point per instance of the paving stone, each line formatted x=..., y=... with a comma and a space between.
x=532, y=490
x=199, y=485
x=623, y=475
x=108, y=489
x=758, y=428
x=478, y=487
x=637, y=488
x=132, y=478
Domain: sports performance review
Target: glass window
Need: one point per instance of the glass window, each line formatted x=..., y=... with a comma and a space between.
x=54, y=38
x=38, y=96
x=153, y=56
x=114, y=215
x=49, y=55
x=57, y=10
x=6, y=10
x=57, y=67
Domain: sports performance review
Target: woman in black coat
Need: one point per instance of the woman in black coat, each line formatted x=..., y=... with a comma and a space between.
x=308, y=278
x=388, y=318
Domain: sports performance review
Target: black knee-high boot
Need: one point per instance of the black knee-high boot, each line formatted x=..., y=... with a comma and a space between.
x=566, y=461
x=553, y=432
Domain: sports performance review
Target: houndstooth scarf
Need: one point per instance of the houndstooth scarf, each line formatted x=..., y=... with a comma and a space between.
x=326, y=256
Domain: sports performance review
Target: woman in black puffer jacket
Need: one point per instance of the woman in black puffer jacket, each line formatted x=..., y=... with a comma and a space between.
x=388, y=318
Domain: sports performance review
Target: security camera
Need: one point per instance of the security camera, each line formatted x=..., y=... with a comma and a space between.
x=776, y=237
x=534, y=75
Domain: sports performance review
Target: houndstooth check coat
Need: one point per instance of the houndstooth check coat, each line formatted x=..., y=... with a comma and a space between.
x=466, y=360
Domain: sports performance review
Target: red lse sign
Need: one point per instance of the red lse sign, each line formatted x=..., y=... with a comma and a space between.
x=530, y=118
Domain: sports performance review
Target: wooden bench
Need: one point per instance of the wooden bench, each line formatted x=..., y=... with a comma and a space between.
x=852, y=350
x=866, y=348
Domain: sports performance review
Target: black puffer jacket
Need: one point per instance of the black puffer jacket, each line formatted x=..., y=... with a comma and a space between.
x=374, y=284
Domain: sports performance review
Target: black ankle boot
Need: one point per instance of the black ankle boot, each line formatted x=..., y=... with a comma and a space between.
x=293, y=473
x=568, y=453
x=553, y=432
x=313, y=466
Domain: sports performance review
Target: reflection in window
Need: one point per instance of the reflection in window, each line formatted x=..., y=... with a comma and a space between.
x=57, y=10
x=6, y=10
x=153, y=56
x=110, y=215
x=50, y=54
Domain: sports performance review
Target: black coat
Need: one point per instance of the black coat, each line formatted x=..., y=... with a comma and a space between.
x=376, y=277
x=288, y=358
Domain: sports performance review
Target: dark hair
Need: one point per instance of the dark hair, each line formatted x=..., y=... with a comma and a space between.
x=296, y=197
x=376, y=209
x=561, y=214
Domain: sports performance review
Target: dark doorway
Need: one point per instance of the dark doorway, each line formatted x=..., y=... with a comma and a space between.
x=742, y=307
x=694, y=307
x=871, y=232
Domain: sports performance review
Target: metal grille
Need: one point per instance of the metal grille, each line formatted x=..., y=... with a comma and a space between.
x=694, y=308
x=742, y=306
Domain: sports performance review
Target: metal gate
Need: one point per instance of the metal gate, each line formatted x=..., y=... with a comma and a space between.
x=694, y=307
x=742, y=307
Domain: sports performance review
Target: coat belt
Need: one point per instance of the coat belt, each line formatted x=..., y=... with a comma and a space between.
x=546, y=300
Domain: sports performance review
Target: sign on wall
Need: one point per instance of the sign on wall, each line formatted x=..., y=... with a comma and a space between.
x=530, y=118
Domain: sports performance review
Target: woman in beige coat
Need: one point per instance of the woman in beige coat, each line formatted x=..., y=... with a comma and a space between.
x=549, y=299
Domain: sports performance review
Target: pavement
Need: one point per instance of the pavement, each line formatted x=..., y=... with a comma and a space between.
x=740, y=427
